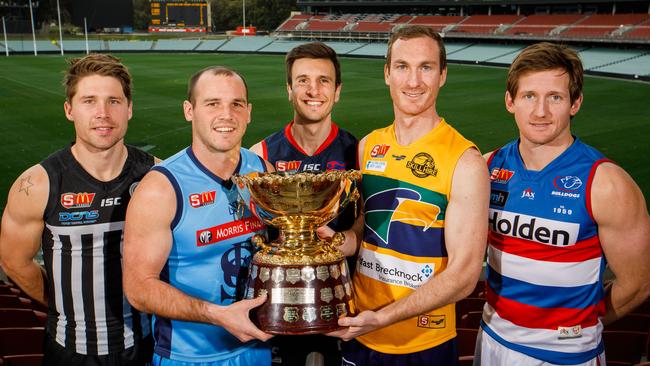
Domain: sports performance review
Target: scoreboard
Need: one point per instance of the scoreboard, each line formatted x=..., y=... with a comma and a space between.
x=179, y=15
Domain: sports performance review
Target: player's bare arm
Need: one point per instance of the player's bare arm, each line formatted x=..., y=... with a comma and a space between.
x=466, y=225
x=147, y=244
x=22, y=228
x=620, y=210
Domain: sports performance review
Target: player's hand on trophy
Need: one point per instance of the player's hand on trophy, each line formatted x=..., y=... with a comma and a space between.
x=234, y=318
x=365, y=322
x=341, y=240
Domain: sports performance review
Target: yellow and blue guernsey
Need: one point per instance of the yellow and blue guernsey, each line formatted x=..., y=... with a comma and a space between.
x=406, y=192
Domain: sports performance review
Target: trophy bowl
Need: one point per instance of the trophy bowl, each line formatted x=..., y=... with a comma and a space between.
x=306, y=278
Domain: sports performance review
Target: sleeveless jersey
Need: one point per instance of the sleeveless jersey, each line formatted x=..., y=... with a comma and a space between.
x=406, y=192
x=545, y=262
x=82, y=251
x=338, y=152
x=209, y=257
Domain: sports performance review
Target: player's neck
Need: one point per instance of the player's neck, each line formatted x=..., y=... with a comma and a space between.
x=409, y=129
x=311, y=136
x=102, y=164
x=537, y=156
x=220, y=163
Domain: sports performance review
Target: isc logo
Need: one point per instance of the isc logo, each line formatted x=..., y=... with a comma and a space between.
x=379, y=151
x=112, y=201
x=77, y=200
x=202, y=199
x=287, y=166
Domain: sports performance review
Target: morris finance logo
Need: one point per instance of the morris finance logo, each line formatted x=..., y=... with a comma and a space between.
x=550, y=232
x=77, y=200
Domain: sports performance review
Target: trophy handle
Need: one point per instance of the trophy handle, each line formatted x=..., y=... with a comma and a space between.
x=241, y=207
x=338, y=239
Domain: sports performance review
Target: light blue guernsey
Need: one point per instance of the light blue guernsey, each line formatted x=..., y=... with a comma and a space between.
x=209, y=256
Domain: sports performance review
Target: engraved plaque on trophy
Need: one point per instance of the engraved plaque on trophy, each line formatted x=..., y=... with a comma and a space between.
x=306, y=278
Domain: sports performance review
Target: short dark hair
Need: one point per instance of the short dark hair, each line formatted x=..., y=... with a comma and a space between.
x=95, y=64
x=417, y=31
x=215, y=70
x=316, y=50
x=545, y=56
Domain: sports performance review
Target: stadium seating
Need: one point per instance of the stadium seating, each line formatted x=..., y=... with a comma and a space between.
x=484, y=52
x=343, y=48
x=176, y=45
x=325, y=26
x=373, y=27
x=596, y=57
x=486, y=23
x=641, y=31
x=466, y=305
x=437, y=22
x=542, y=24
x=290, y=24
x=80, y=46
x=210, y=45
x=22, y=360
x=246, y=44
x=466, y=341
x=601, y=25
x=281, y=46
x=370, y=49
x=27, y=45
x=21, y=341
x=624, y=346
x=471, y=320
x=10, y=317
x=129, y=45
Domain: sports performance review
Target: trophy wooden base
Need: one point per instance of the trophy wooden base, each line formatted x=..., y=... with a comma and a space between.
x=302, y=299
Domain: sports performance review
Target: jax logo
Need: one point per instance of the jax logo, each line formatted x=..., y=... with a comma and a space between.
x=567, y=183
x=401, y=210
x=335, y=165
x=202, y=199
x=379, y=151
x=500, y=175
x=288, y=166
x=528, y=193
x=77, y=200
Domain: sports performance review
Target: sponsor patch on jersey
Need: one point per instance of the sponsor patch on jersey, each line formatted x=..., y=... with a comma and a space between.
x=376, y=166
x=379, y=151
x=335, y=165
x=498, y=198
x=567, y=183
x=422, y=165
x=132, y=187
x=432, y=321
x=566, y=186
x=569, y=332
x=288, y=166
x=500, y=175
x=540, y=230
x=528, y=193
x=228, y=230
x=398, y=157
x=79, y=217
x=393, y=271
x=77, y=200
x=202, y=199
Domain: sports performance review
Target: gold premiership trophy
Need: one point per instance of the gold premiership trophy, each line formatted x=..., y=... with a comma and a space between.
x=306, y=278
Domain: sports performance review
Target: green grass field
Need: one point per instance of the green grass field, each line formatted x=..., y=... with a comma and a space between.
x=615, y=116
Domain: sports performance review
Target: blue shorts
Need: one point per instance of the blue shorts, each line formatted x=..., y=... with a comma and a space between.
x=356, y=354
x=260, y=355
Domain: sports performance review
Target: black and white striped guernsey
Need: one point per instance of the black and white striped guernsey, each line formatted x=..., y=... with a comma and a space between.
x=82, y=249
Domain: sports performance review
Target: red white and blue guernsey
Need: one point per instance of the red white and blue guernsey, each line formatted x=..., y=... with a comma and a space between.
x=208, y=259
x=338, y=152
x=545, y=263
